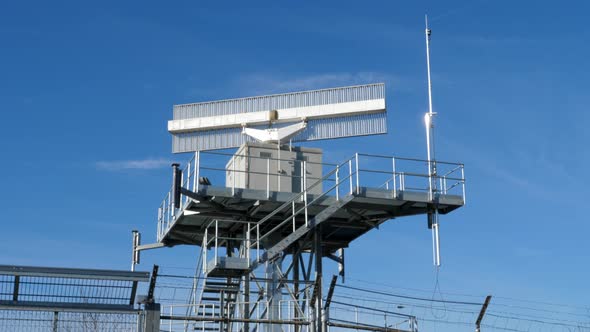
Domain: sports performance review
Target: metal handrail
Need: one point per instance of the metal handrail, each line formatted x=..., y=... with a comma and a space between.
x=409, y=159
x=301, y=209
x=449, y=180
x=294, y=198
x=215, y=239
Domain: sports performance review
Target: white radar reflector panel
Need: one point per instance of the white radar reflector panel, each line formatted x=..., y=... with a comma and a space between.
x=297, y=116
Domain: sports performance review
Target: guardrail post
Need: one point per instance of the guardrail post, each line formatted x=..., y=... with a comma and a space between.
x=216, y=239
x=337, y=182
x=301, y=176
x=402, y=181
x=197, y=167
x=159, y=223
x=258, y=242
x=233, y=171
x=394, y=180
x=268, y=178
x=248, y=243
x=305, y=190
x=188, y=179
x=350, y=174
x=170, y=211
x=293, y=214
x=356, y=158
x=205, y=249
x=463, y=184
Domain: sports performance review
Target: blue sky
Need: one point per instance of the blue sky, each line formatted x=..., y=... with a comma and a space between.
x=86, y=90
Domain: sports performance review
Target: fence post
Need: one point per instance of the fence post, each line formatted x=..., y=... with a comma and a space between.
x=152, y=317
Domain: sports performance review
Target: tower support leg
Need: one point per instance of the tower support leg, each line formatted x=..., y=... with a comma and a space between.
x=318, y=270
x=296, y=257
x=273, y=294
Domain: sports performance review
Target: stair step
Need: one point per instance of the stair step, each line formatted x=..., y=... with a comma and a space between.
x=209, y=315
x=221, y=283
x=219, y=290
x=207, y=298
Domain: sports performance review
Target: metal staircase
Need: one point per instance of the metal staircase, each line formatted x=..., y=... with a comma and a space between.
x=217, y=302
x=221, y=287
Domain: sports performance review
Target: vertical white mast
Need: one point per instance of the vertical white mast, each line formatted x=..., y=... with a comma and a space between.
x=429, y=122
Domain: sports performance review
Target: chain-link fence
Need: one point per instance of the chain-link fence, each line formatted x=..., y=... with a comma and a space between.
x=63, y=321
x=39, y=299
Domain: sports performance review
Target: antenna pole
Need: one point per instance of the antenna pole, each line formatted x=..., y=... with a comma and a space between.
x=429, y=122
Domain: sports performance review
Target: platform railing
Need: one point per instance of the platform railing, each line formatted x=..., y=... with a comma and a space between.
x=395, y=174
x=217, y=166
x=167, y=213
x=254, y=234
x=306, y=202
x=411, y=174
x=213, y=239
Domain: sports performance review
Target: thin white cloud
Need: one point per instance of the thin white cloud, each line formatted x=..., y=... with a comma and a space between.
x=141, y=164
x=272, y=83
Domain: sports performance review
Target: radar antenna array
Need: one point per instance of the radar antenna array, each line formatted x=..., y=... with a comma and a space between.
x=297, y=117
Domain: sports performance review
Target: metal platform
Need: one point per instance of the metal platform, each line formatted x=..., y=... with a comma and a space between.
x=227, y=267
x=365, y=211
x=358, y=195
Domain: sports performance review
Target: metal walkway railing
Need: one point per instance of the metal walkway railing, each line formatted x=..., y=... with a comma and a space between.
x=390, y=173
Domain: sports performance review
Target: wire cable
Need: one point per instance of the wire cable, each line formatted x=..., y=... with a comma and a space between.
x=407, y=296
